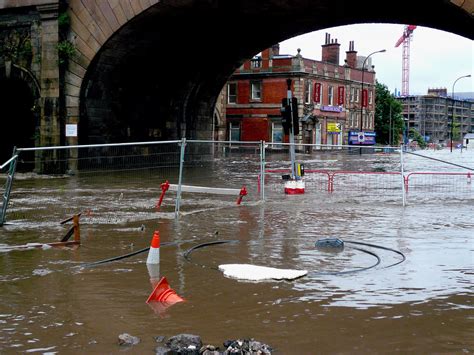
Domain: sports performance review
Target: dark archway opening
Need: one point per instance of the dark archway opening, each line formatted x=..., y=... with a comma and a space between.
x=158, y=76
x=17, y=120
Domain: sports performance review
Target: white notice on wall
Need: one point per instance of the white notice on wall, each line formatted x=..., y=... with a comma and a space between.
x=71, y=130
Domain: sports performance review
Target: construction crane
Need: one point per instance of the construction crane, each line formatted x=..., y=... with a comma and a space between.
x=405, y=39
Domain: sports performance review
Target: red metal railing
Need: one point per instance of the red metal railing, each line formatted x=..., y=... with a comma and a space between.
x=333, y=175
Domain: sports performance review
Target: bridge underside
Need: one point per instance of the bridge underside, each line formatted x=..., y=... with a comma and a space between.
x=159, y=76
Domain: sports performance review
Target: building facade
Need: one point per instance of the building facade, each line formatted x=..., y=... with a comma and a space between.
x=336, y=103
x=431, y=115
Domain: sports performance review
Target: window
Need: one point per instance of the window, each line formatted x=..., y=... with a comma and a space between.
x=371, y=96
x=232, y=93
x=352, y=122
x=307, y=92
x=352, y=94
x=234, y=131
x=256, y=90
x=357, y=95
x=277, y=133
x=330, y=95
x=256, y=62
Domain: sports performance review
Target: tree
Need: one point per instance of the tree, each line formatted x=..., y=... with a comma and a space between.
x=385, y=106
x=416, y=136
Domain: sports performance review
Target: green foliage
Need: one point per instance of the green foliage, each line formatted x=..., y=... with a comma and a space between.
x=416, y=136
x=66, y=50
x=16, y=46
x=387, y=106
x=63, y=20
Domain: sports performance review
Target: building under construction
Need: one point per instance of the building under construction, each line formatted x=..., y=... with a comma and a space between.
x=431, y=115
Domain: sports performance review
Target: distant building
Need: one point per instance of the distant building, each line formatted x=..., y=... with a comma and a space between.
x=329, y=97
x=431, y=115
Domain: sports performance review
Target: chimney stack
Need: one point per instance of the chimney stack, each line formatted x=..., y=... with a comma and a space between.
x=351, y=56
x=330, y=50
x=276, y=49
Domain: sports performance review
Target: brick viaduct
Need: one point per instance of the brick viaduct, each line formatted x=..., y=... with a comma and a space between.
x=150, y=69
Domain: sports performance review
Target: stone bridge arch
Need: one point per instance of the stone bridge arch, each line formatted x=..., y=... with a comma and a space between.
x=152, y=69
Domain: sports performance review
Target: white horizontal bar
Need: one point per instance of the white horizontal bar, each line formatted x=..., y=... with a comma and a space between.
x=202, y=189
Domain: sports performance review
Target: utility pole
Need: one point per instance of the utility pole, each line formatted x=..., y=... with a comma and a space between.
x=289, y=96
x=290, y=123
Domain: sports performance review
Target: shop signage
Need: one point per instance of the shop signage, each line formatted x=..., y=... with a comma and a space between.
x=317, y=92
x=361, y=138
x=364, y=98
x=340, y=95
x=331, y=108
x=334, y=127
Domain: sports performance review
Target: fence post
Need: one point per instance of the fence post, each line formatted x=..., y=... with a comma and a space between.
x=180, y=179
x=403, y=176
x=262, y=170
x=8, y=186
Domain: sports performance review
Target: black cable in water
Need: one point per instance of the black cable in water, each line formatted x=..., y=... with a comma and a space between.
x=202, y=245
x=188, y=252
x=380, y=247
x=120, y=257
x=353, y=270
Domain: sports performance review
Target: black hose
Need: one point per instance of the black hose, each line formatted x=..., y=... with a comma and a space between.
x=188, y=252
x=381, y=247
x=202, y=245
x=353, y=270
x=120, y=257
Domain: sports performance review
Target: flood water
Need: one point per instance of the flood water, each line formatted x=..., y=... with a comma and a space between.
x=50, y=304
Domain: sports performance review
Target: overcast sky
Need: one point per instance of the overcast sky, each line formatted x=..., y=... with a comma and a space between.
x=437, y=58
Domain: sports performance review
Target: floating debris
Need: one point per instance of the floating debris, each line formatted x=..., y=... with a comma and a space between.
x=259, y=273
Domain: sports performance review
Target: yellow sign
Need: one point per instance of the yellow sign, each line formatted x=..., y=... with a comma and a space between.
x=334, y=127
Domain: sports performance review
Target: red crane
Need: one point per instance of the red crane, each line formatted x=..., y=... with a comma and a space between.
x=405, y=39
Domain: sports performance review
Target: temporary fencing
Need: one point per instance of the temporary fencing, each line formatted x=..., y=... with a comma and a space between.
x=123, y=181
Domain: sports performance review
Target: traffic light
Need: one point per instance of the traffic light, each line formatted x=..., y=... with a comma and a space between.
x=289, y=116
x=294, y=109
x=285, y=116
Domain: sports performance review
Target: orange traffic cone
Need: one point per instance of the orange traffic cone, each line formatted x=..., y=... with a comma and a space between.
x=164, y=293
x=154, y=273
x=154, y=253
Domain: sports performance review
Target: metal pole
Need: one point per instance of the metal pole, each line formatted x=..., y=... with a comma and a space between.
x=452, y=108
x=403, y=176
x=362, y=93
x=292, y=136
x=8, y=186
x=180, y=179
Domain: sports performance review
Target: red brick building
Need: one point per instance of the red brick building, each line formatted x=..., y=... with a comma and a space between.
x=329, y=97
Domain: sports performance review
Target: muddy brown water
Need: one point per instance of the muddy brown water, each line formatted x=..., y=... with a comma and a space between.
x=423, y=305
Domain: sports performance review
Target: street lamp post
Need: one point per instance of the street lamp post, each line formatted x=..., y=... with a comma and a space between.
x=406, y=126
x=362, y=92
x=452, y=108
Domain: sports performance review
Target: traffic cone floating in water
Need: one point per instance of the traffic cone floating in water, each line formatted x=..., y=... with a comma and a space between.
x=164, y=293
x=154, y=252
x=154, y=273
